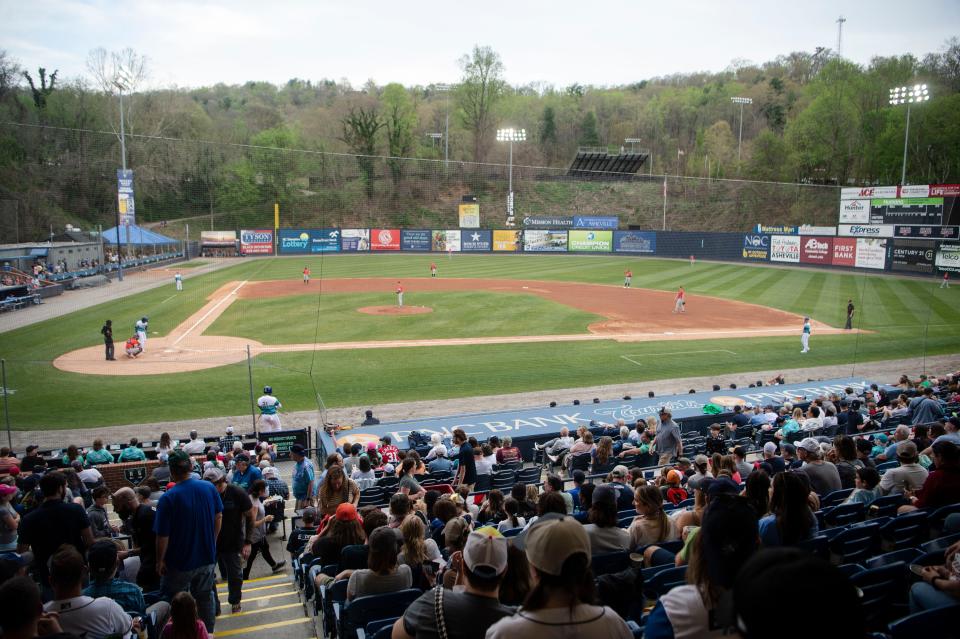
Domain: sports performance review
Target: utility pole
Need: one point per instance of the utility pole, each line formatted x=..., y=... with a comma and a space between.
x=840, y=22
x=741, y=102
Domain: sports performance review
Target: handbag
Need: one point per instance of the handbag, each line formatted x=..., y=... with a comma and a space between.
x=438, y=611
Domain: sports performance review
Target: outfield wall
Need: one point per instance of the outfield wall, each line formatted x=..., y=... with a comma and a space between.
x=903, y=249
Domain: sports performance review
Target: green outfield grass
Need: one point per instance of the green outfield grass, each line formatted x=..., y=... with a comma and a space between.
x=455, y=314
x=908, y=317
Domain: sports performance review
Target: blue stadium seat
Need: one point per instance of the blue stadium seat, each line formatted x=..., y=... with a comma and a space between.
x=885, y=466
x=884, y=592
x=885, y=506
x=483, y=484
x=580, y=462
x=940, y=543
x=856, y=543
x=529, y=475
x=929, y=623
x=358, y=612
x=904, y=531
x=835, y=498
x=626, y=520
x=328, y=597
x=844, y=514
x=851, y=569
x=373, y=496
x=937, y=517
x=819, y=546
x=608, y=562
x=664, y=581
x=907, y=556
x=512, y=532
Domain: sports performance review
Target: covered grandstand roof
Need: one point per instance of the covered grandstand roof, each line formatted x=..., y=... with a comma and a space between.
x=138, y=236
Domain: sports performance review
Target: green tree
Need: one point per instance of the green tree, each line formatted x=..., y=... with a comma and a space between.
x=273, y=167
x=588, y=130
x=721, y=147
x=767, y=158
x=400, y=119
x=47, y=85
x=360, y=129
x=547, y=135
x=480, y=88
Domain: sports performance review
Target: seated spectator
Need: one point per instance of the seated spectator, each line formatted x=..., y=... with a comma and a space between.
x=342, y=530
x=582, y=446
x=603, y=531
x=866, y=487
x=213, y=462
x=513, y=519
x=950, y=434
x=940, y=585
x=97, y=513
x=484, y=466
x=363, y=475
x=791, y=520
x=563, y=588
x=73, y=454
x=336, y=489
x=9, y=519
x=99, y=454
x=409, y=485
x=921, y=437
x=618, y=481
x=814, y=419
x=651, y=525
x=400, y=508
x=602, y=454
x=775, y=575
x=757, y=492
x=509, y=454
x=196, y=445
x=727, y=539
x=79, y=614
x=440, y=463
x=845, y=459
x=555, y=485
x=382, y=574
x=549, y=506
x=701, y=464
x=300, y=535
x=21, y=610
x=942, y=486
x=30, y=459
x=132, y=452
x=466, y=613
x=492, y=511
x=925, y=408
x=389, y=453
x=823, y=475
x=184, y=621
x=104, y=562
x=671, y=490
x=416, y=550
x=908, y=476
x=716, y=442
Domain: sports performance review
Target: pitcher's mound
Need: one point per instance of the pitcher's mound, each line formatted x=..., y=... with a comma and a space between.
x=395, y=310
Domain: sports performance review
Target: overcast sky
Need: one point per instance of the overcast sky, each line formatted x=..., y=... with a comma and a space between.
x=559, y=42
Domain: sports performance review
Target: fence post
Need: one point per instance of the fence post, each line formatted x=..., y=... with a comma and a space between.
x=6, y=406
x=253, y=404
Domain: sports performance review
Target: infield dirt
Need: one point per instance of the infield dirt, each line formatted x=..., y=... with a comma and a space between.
x=631, y=315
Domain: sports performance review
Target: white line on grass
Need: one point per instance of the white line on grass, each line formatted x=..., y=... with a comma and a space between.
x=207, y=314
x=720, y=350
x=168, y=299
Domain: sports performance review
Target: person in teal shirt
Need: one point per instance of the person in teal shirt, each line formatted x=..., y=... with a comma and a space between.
x=133, y=452
x=99, y=455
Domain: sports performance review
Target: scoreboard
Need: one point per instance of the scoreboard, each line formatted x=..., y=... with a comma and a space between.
x=918, y=211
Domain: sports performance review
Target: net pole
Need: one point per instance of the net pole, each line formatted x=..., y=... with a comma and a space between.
x=253, y=404
x=6, y=402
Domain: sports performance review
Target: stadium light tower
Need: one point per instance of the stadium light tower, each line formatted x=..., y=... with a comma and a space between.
x=445, y=88
x=909, y=96
x=741, y=102
x=511, y=136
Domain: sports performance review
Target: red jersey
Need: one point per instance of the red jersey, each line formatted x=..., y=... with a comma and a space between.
x=680, y=294
x=433, y=266
x=390, y=454
x=628, y=273
x=399, y=289
x=306, y=271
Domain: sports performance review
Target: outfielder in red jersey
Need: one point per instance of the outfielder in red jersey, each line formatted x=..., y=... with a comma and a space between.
x=306, y=274
x=433, y=269
x=680, y=301
x=627, y=278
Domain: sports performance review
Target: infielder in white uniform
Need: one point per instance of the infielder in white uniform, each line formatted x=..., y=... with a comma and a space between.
x=269, y=405
x=178, y=280
x=140, y=328
x=805, y=335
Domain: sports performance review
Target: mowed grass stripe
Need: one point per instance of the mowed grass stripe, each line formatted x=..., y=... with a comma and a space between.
x=754, y=287
x=893, y=311
x=930, y=295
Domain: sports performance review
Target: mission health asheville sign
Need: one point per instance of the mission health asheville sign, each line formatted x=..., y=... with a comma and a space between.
x=543, y=422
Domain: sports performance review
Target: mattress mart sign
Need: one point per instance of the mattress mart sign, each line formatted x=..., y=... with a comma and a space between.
x=866, y=230
x=785, y=248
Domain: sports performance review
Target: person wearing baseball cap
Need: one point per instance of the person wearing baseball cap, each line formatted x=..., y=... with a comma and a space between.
x=824, y=476
x=558, y=605
x=909, y=475
x=469, y=613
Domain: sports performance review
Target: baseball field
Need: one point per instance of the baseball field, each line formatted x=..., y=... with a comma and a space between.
x=489, y=324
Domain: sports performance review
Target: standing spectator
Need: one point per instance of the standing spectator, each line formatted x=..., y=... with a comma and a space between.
x=258, y=538
x=54, y=523
x=509, y=454
x=79, y=614
x=667, y=442
x=336, y=489
x=303, y=476
x=480, y=569
x=467, y=469
x=132, y=452
x=97, y=513
x=188, y=520
x=99, y=454
x=9, y=519
x=235, y=540
x=138, y=520
x=560, y=603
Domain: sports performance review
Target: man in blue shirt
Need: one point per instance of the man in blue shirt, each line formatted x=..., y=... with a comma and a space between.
x=440, y=463
x=303, y=475
x=187, y=523
x=245, y=473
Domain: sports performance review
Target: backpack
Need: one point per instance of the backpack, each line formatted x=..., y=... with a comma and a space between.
x=416, y=440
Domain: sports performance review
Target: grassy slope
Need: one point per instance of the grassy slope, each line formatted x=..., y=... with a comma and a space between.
x=898, y=309
x=455, y=314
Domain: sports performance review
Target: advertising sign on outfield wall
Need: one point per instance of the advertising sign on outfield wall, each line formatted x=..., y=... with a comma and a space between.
x=756, y=247
x=844, y=251
x=908, y=210
x=506, y=241
x=816, y=250
x=355, y=239
x=871, y=253
x=547, y=221
x=300, y=241
x=785, y=248
x=591, y=241
x=948, y=258
x=806, y=229
x=415, y=240
x=538, y=241
x=476, y=240
x=944, y=190
x=861, y=192
x=596, y=222
x=866, y=230
x=634, y=242
x=775, y=230
x=914, y=256
x=469, y=215
x=384, y=239
x=854, y=211
x=929, y=232
x=915, y=190
x=444, y=241
x=256, y=242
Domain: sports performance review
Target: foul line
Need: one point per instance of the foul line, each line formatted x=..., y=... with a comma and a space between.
x=168, y=299
x=720, y=350
x=207, y=314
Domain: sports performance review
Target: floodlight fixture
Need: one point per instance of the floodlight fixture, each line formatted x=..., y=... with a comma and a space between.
x=741, y=102
x=511, y=135
x=908, y=95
